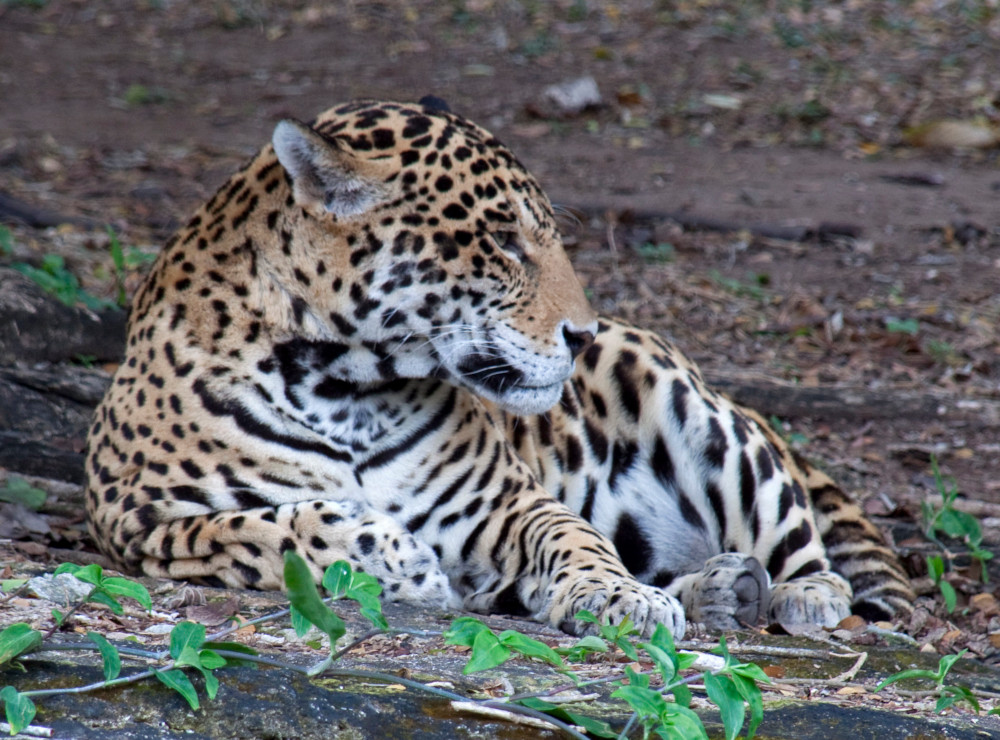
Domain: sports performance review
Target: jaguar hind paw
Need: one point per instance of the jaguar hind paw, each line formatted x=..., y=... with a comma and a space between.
x=822, y=598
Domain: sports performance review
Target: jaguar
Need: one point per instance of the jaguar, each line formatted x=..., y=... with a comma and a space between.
x=371, y=345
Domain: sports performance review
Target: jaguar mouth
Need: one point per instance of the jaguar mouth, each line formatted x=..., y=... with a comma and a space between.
x=507, y=386
x=490, y=373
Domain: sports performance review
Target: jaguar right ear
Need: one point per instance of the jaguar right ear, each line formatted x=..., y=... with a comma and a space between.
x=324, y=174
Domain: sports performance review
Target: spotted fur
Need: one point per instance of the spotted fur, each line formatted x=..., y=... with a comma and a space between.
x=363, y=347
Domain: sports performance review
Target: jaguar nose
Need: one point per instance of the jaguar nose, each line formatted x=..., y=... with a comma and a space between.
x=576, y=340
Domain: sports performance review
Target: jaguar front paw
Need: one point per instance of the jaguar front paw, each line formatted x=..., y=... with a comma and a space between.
x=730, y=592
x=612, y=601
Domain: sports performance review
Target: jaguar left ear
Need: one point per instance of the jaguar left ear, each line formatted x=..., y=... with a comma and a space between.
x=325, y=174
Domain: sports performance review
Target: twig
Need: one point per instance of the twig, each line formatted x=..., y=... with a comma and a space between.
x=851, y=672
x=769, y=650
x=32, y=730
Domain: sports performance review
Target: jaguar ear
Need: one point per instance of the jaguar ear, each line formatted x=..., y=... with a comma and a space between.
x=323, y=174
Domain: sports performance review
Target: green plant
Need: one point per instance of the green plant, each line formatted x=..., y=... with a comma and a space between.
x=733, y=687
x=656, y=253
x=784, y=430
x=752, y=288
x=953, y=523
x=941, y=351
x=137, y=94
x=910, y=327
x=6, y=241
x=189, y=647
x=935, y=568
x=949, y=695
x=490, y=650
x=18, y=491
x=54, y=277
x=125, y=261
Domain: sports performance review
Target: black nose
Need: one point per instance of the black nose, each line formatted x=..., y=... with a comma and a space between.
x=577, y=341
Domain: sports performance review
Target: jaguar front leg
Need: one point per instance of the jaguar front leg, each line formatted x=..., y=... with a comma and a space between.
x=550, y=564
x=240, y=549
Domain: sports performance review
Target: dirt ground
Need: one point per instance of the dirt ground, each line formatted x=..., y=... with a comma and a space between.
x=865, y=131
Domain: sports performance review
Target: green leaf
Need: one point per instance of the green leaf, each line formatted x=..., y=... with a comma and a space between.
x=751, y=694
x=337, y=578
x=585, y=616
x=300, y=624
x=959, y=524
x=18, y=639
x=109, y=656
x=582, y=648
x=636, y=679
x=9, y=585
x=904, y=675
x=186, y=640
x=115, y=586
x=211, y=681
x=645, y=701
x=663, y=639
x=960, y=693
x=375, y=617
x=463, y=631
x=593, y=726
x=935, y=567
x=210, y=660
x=529, y=647
x=233, y=647
x=91, y=574
x=751, y=671
x=20, y=710
x=487, y=652
x=949, y=595
x=365, y=590
x=682, y=694
x=626, y=646
x=666, y=664
x=18, y=491
x=117, y=255
x=180, y=683
x=724, y=694
x=680, y=723
x=946, y=662
x=98, y=596
x=302, y=593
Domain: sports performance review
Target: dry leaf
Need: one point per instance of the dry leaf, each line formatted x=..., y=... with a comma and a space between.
x=951, y=135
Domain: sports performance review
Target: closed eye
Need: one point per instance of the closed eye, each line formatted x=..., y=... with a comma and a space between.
x=509, y=242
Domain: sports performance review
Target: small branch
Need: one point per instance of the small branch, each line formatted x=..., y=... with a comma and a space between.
x=31, y=730
x=540, y=718
x=851, y=672
x=58, y=625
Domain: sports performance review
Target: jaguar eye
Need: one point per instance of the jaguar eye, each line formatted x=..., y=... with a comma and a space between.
x=509, y=243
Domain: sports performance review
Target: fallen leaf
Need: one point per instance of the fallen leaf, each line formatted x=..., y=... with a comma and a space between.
x=773, y=671
x=214, y=612
x=951, y=135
